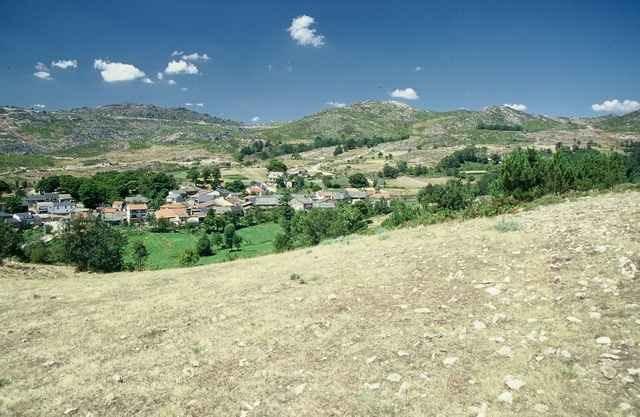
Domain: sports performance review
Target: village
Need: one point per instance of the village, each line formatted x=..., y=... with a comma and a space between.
x=189, y=204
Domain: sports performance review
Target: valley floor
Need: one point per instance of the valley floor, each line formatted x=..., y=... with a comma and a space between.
x=538, y=317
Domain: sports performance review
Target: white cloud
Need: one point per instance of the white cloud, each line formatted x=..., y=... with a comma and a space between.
x=39, y=106
x=188, y=104
x=147, y=80
x=200, y=104
x=336, y=104
x=171, y=82
x=301, y=32
x=184, y=89
x=418, y=68
x=181, y=67
x=616, y=106
x=196, y=57
x=519, y=107
x=269, y=67
x=160, y=76
x=177, y=53
x=65, y=64
x=112, y=72
x=255, y=119
x=41, y=67
x=407, y=93
x=43, y=75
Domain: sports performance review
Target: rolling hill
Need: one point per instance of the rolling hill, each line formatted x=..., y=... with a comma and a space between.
x=455, y=319
x=626, y=123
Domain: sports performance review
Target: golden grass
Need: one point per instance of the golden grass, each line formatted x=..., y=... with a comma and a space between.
x=367, y=334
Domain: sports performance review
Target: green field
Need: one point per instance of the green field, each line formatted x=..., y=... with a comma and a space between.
x=165, y=249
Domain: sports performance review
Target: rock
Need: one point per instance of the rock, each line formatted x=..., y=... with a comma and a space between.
x=404, y=387
x=403, y=353
x=608, y=371
x=372, y=387
x=574, y=319
x=422, y=310
x=479, y=325
x=492, y=291
x=595, y=315
x=506, y=397
x=513, y=383
x=70, y=411
x=540, y=408
x=299, y=389
x=633, y=371
x=627, y=268
x=625, y=406
x=603, y=340
x=371, y=359
x=505, y=351
x=482, y=410
x=332, y=297
x=393, y=377
x=450, y=360
x=118, y=378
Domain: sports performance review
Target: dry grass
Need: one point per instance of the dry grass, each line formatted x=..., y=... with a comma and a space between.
x=366, y=334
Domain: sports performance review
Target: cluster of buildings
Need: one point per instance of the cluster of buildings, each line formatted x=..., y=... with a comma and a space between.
x=186, y=205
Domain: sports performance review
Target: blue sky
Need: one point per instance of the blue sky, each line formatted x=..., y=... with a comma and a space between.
x=554, y=57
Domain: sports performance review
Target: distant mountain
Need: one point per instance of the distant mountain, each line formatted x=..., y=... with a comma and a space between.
x=368, y=119
x=86, y=130
x=629, y=122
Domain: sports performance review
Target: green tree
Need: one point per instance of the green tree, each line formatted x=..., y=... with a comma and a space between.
x=91, y=194
x=14, y=204
x=338, y=150
x=5, y=187
x=10, y=240
x=193, y=174
x=358, y=180
x=189, y=258
x=140, y=254
x=229, y=234
x=276, y=165
x=235, y=186
x=93, y=245
x=204, y=246
x=48, y=184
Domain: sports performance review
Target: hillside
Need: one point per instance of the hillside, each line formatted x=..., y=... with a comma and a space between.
x=626, y=123
x=105, y=128
x=531, y=315
x=368, y=119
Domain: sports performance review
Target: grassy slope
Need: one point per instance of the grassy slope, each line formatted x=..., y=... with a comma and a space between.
x=374, y=331
x=165, y=249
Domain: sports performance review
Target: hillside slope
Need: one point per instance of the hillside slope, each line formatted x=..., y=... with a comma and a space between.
x=629, y=122
x=437, y=320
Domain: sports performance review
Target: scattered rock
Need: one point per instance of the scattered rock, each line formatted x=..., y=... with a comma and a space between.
x=479, y=325
x=482, y=410
x=492, y=291
x=513, y=383
x=394, y=377
x=506, y=397
x=403, y=353
x=70, y=411
x=505, y=351
x=627, y=268
x=633, y=371
x=595, y=315
x=540, y=408
x=299, y=389
x=371, y=359
x=404, y=387
x=574, y=319
x=608, y=371
x=625, y=406
x=372, y=387
x=118, y=378
x=603, y=340
x=422, y=310
x=332, y=297
x=450, y=360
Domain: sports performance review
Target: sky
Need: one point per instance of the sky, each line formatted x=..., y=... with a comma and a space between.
x=280, y=60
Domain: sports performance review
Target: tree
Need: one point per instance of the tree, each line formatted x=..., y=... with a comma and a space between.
x=213, y=223
x=189, y=258
x=4, y=187
x=10, y=240
x=93, y=245
x=91, y=194
x=140, y=255
x=338, y=150
x=228, y=235
x=358, y=180
x=237, y=241
x=389, y=171
x=14, y=204
x=235, y=186
x=48, y=184
x=204, y=246
x=193, y=174
x=276, y=165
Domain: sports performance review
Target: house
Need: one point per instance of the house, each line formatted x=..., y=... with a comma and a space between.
x=266, y=201
x=50, y=203
x=327, y=204
x=292, y=172
x=174, y=212
x=356, y=195
x=275, y=176
x=189, y=189
x=112, y=215
x=26, y=219
x=136, y=199
x=136, y=212
x=118, y=205
x=175, y=196
x=300, y=202
x=257, y=188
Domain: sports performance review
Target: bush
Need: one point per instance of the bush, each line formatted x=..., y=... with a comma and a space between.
x=204, y=246
x=358, y=180
x=454, y=195
x=507, y=225
x=10, y=240
x=140, y=255
x=189, y=258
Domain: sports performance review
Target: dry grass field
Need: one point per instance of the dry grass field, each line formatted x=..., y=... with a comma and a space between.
x=531, y=315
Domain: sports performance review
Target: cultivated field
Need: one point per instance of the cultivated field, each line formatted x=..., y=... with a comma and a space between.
x=530, y=315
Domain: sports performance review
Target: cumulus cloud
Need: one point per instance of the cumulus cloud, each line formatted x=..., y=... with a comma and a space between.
x=171, y=82
x=43, y=75
x=184, y=89
x=181, y=67
x=418, y=68
x=196, y=57
x=407, y=93
x=177, y=53
x=160, y=76
x=147, y=80
x=616, y=106
x=255, y=119
x=65, y=64
x=39, y=106
x=188, y=104
x=200, y=104
x=302, y=32
x=41, y=67
x=519, y=107
x=336, y=104
x=112, y=72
